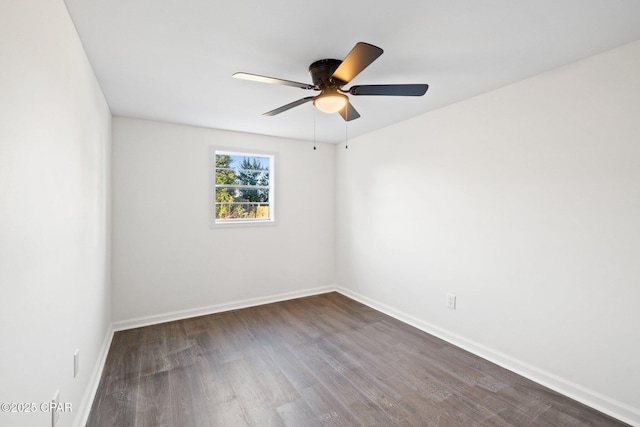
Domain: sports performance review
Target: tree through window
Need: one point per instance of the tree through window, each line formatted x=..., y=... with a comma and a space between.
x=243, y=187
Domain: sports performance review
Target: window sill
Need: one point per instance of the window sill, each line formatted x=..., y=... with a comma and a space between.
x=237, y=224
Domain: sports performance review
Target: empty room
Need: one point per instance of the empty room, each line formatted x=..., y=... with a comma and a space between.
x=414, y=213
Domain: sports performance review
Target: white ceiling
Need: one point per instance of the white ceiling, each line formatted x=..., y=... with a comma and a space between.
x=172, y=60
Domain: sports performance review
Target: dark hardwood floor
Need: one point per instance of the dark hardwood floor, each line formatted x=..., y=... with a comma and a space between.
x=316, y=361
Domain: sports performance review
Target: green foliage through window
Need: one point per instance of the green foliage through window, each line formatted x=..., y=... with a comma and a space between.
x=243, y=187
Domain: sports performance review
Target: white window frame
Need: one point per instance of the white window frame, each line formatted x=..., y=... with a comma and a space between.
x=273, y=173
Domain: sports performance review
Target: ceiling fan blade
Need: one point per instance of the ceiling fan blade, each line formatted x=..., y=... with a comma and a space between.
x=272, y=80
x=349, y=113
x=288, y=106
x=360, y=57
x=390, y=90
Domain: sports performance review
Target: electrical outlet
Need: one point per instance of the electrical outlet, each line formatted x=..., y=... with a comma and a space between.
x=55, y=403
x=451, y=301
x=76, y=362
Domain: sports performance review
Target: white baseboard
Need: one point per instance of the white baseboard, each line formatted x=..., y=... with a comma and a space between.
x=581, y=394
x=94, y=381
x=217, y=308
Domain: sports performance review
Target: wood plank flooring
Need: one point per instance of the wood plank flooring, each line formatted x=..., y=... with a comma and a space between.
x=324, y=360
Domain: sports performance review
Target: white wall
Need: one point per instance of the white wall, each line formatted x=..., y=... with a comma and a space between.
x=54, y=211
x=525, y=203
x=168, y=263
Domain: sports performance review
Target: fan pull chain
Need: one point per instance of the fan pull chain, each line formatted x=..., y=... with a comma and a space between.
x=314, y=129
x=346, y=127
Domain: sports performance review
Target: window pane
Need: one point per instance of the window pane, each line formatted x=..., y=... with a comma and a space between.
x=238, y=210
x=242, y=187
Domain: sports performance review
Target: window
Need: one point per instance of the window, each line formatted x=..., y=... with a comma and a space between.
x=242, y=188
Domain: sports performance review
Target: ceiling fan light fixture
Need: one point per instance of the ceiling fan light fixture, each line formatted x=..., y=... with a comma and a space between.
x=330, y=102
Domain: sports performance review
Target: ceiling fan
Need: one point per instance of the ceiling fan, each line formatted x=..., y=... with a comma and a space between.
x=330, y=75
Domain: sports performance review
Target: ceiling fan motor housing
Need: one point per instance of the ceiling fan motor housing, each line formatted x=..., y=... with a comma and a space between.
x=321, y=72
